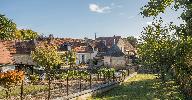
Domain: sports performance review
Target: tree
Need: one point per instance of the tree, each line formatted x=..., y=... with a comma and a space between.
x=7, y=28
x=181, y=67
x=11, y=78
x=27, y=34
x=157, y=48
x=47, y=57
x=69, y=58
x=132, y=40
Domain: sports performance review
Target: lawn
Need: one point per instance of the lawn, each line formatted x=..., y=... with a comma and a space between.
x=142, y=87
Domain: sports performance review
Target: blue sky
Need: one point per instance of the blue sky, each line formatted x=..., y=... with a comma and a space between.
x=80, y=18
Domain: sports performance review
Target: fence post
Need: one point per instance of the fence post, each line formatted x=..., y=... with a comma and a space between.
x=67, y=85
x=90, y=80
x=113, y=76
x=122, y=75
x=104, y=77
x=80, y=83
x=21, y=90
x=128, y=72
x=98, y=76
x=108, y=76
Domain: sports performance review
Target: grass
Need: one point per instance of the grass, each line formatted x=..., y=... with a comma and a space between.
x=142, y=87
x=29, y=89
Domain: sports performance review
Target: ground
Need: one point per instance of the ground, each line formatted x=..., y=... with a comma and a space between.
x=142, y=87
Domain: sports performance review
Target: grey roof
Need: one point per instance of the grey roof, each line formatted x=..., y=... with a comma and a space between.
x=114, y=51
x=101, y=46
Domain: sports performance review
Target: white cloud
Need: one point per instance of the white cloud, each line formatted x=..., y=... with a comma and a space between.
x=99, y=9
x=149, y=23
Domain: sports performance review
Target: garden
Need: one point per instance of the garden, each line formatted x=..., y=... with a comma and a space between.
x=62, y=84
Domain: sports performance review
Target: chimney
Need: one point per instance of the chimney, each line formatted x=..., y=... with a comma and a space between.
x=114, y=39
x=95, y=36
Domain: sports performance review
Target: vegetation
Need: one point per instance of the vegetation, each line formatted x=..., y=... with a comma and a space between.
x=26, y=34
x=132, y=40
x=75, y=74
x=108, y=72
x=27, y=89
x=9, y=31
x=7, y=28
x=167, y=48
x=143, y=87
x=9, y=79
x=69, y=58
x=47, y=56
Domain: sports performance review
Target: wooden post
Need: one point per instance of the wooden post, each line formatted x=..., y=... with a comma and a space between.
x=21, y=96
x=122, y=76
x=128, y=72
x=90, y=81
x=98, y=76
x=104, y=77
x=113, y=76
x=80, y=83
x=67, y=85
x=108, y=75
x=49, y=83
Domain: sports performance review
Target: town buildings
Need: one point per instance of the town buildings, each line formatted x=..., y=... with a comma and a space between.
x=108, y=51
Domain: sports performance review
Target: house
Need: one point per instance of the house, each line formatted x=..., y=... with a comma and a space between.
x=5, y=59
x=23, y=52
x=114, y=57
x=101, y=49
x=123, y=45
x=84, y=54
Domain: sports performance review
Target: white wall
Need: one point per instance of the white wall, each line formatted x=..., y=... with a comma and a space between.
x=115, y=61
x=23, y=58
x=86, y=55
x=79, y=57
x=121, y=46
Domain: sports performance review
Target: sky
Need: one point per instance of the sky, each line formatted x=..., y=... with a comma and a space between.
x=81, y=18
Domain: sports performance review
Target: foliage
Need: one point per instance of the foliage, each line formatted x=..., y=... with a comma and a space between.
x=106, y=72
x=75, y=74
x=46, y=56
x=34, y=78
x=132, y=40
x=28, y=89
x=26, y=34
x=156, y=50
x=178, y=51
x=7, y=28
x=10, y=78
x=69, y=58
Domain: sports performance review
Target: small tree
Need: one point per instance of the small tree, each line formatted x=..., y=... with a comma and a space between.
x=27, y=34
x=9, y=79
x=69, y=58
x=157, y=48
x=132, y=40
x=46, y=56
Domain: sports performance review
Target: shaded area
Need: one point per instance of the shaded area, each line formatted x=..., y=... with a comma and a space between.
x=143, y=87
